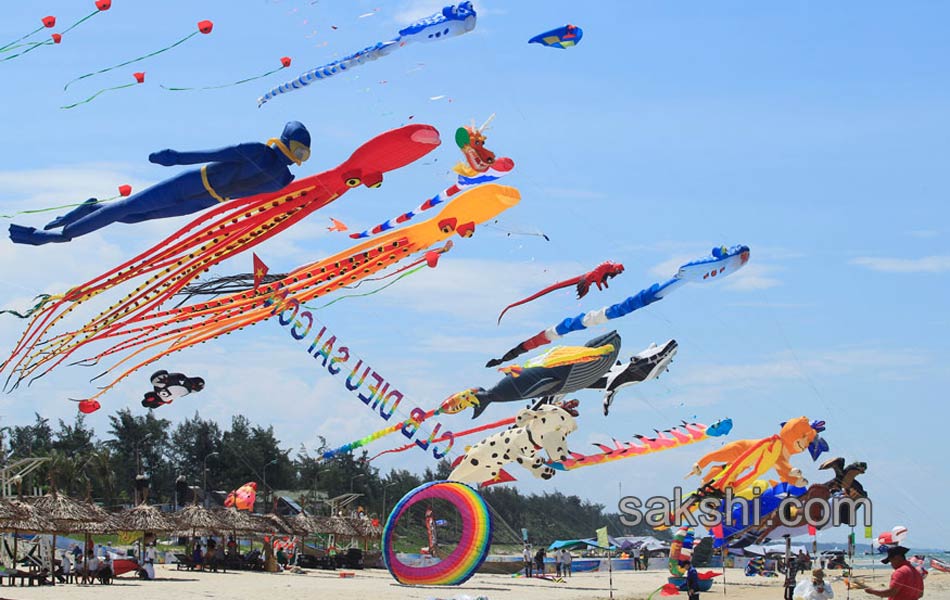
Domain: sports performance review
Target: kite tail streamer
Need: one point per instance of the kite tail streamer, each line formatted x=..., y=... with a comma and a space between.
x=454, y=404
x=284, y=63
x=101, y=6
x=56, y=38
x=42, y=300
x=139, y=78
x=204, y=27
x=124, y=190
x=431, y=259
x=16, y=43
x=675, y=437
x=456, y=435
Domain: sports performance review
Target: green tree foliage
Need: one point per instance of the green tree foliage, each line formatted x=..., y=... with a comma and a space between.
x=148, y=445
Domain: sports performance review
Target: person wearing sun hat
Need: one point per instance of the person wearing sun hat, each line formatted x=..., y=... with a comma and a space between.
x=906, y=582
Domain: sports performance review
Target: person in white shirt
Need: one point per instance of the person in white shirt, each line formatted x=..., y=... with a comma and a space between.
x=566, y=559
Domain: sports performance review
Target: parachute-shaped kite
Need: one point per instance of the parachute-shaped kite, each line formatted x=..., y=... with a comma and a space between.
x=220, y=233
x=561, y=37
x=723, y=262
x=243, y=498
x=451, y=21
x=168, y=387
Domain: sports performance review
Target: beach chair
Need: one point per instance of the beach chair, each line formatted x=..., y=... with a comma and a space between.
x=183, y=561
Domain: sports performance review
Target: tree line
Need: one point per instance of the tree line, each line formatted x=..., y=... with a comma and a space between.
x=201, y=454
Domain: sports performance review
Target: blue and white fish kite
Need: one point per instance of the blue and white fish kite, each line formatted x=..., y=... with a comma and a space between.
x=450, y=22
x=723, y=262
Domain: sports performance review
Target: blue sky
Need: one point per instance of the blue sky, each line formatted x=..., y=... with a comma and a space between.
x=815, y=134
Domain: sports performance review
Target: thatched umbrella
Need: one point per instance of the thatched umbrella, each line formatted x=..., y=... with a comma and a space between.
x=302, y=523
x=67, y=514
x=23, y=517
x=237, y=521
x=144, y=517
x=271, y=523
x=196, y=518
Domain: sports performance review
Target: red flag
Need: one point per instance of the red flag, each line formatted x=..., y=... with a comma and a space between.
x=812, y=531
x=260, y=269
x=502, y=477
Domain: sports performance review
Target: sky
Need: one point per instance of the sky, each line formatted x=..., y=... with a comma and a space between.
x=815, y=134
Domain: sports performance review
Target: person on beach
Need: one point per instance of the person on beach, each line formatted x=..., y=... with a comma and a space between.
x=566, y=560
x=692, y=580
x=557, y=562
x=539, y=557
x=526, y=554
x=906, y=582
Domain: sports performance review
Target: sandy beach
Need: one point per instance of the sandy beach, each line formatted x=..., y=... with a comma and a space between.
x=375, y=584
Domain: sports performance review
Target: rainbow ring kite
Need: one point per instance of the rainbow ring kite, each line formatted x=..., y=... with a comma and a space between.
x=471, y=550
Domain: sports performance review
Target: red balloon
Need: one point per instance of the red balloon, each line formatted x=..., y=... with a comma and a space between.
x=205, y=26
x=49, y=21
x=125, y=190
x=57, y=38
x=432, y=258
x=285, y=60
x=139, y=77
x=103, y=4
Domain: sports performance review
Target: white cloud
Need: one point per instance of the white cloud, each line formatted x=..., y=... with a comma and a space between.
x=414, y=10
x=754, y=276
x=926, y=264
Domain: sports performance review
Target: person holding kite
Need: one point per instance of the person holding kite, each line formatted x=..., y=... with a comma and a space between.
x=233, y=172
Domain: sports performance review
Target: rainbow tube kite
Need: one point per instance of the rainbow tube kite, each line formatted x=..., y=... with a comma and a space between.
x=469, y=554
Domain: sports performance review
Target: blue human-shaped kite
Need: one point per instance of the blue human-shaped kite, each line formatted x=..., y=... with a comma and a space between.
x=233, y=172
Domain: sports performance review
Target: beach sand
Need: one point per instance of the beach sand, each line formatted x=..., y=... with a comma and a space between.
x=374, y=584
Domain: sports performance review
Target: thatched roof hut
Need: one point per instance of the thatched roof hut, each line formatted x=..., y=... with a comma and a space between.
x=339, y=526
x=144, y=517
x=197, y=519
x=302, y=523
x=22, y=516
x=237, y=521
x=271, y=523
x=365, y=528
x=70, y=515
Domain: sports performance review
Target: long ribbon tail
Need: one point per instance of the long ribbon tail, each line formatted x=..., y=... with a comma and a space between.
x=43, y=299
x=97, y=94
x=528, y=345
x=80, y=21
x=53, y=208
x=480, y=428
x=32, y=46
x=411, y=268
x=16, y=43
x=554, y=286
x=675, y=437
x=134, y=60
x=223, y=85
